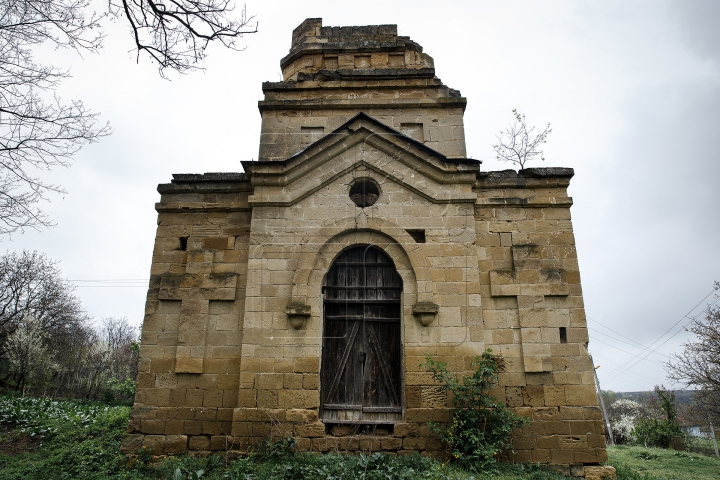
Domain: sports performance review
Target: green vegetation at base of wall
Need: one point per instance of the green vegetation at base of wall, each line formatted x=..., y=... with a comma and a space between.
x=639, y=463
x=44, y=438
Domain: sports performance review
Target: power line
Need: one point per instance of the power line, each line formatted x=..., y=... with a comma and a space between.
x=670, y=329
x=635, y=377
x=625, y=351
x=676, y=323
x=112, y=283
x=646, y=348
x=614, y=331
x=635, y=344
x=640, y=382
x=111, y=286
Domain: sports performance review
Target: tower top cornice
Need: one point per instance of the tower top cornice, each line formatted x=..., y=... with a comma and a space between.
x=371, y=49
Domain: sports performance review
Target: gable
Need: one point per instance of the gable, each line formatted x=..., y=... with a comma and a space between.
x=364, y=143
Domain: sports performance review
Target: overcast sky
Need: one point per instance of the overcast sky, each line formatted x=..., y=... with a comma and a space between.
x=632, y=89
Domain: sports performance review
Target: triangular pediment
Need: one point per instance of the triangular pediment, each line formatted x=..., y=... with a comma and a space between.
x=364, y=143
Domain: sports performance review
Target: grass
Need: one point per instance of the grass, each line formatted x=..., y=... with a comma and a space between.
x=639, y=463
x=43, y=438
x=702, y=445
x=60, y=439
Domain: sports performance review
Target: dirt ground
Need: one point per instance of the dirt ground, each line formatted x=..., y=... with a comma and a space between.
x=13, y=443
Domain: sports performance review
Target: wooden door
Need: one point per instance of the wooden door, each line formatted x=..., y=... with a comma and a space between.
x=361, y=376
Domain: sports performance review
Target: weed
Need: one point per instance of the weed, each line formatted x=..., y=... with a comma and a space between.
x=479, y=426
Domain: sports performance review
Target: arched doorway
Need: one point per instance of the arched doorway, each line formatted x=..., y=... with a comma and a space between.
x=361, y=371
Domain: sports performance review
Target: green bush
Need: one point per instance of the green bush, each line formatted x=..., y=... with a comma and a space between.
x=652, y=432
x=480, y=426
x=663, y=428
x=119, y=393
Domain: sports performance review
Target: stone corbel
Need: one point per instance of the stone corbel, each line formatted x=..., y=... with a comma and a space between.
x=298, y=314
x=425, y=312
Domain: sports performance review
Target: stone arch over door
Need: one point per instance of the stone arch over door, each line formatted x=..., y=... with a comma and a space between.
x=361, y=360
x=318, y=251
x=313, y=277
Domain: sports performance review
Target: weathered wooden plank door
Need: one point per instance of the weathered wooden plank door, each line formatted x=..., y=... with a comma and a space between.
x=361, y=377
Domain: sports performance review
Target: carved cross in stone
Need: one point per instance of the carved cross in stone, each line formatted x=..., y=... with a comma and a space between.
x=533, y=277
x=195, y=289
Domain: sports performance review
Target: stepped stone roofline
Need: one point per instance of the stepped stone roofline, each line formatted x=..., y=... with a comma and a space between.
x=378, y=50
x=209, y=177
x=206, y=182
x=312, y=28
x=536, y=172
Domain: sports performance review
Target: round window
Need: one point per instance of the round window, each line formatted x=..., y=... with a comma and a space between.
x=364, y=192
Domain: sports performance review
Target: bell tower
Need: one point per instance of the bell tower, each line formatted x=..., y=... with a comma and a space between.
x=333, y=73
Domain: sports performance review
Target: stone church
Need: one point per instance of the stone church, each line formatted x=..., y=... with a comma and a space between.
x=300, y=297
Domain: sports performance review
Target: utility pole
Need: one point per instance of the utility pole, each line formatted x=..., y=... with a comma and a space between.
x=712, y=433
x=602, y=404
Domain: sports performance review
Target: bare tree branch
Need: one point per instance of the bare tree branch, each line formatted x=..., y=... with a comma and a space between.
x=699, y=364
x=38, y=131
x=176, y=33
x=517, y=145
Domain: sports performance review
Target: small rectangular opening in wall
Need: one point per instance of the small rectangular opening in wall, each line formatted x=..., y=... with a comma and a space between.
x=355, y=428
x=413, y=130
x=311, y=134
x=563, y=335
x=417, y=235
x=183, y=243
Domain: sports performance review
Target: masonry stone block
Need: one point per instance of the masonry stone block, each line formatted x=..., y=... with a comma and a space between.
x=130, y=443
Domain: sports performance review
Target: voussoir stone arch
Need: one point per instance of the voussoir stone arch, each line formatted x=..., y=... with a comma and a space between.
x=320, y=250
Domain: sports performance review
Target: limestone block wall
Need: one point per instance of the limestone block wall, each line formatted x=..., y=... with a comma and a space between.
x=294, y=239
x=192, y=332
x=223, y=369
x=232, y=336
x=533, y=314
x=286, y=132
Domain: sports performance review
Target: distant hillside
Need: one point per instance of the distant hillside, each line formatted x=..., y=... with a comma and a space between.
x=682, y=397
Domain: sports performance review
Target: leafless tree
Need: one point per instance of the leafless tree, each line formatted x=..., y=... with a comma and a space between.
x=176, y=33
x=30, y=284
x=89, y=361
x=38, y=131
x=121, y=340
x=47, y=341
x=698, y=365
x=518, y=145
x=117, y=332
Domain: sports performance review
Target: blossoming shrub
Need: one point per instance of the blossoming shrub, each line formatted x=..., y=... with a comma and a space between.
x=480, y=426
x=624, y=413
